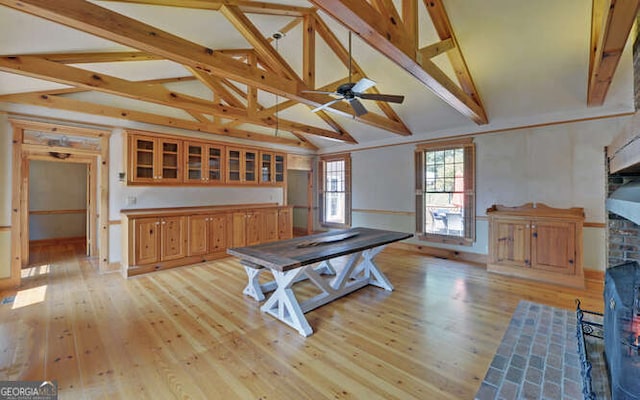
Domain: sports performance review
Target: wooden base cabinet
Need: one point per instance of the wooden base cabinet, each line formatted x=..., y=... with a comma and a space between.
x=165, y=238
x=537, y=242
x=159, y=239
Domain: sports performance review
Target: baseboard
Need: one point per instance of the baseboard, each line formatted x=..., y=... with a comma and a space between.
x=112, y=267
x=466, y=256
x=56, y=241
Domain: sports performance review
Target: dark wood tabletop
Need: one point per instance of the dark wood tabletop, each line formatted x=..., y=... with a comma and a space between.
x=293, y=253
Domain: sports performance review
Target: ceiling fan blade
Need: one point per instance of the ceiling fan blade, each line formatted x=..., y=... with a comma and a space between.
x=393, y=98
x=362, y=85
x=325, y=105
x=357, y=106
x=319, y=92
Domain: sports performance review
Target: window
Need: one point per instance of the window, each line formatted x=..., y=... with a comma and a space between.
x=445, y=191
x=335, y=191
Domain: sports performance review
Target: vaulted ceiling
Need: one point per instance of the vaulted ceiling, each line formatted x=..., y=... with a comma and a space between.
x=215, y=67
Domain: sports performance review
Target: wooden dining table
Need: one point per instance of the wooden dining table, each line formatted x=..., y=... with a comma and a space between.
x=309, y=258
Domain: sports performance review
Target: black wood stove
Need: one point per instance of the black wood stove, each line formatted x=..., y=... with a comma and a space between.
x=622, y=330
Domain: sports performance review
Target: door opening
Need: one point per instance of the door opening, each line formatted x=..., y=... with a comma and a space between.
x=58, y=206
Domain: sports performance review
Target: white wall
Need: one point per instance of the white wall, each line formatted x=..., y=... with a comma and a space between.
x=57, y=186
x=122, y=196
x=561, y=165
x=6, y=134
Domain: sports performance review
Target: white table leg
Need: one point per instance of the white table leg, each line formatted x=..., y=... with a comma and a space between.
x=370, y=268
x=283, y=304
x=253, y=285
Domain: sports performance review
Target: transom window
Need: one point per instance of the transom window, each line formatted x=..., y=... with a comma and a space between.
x=335, y=191
x=445, y=191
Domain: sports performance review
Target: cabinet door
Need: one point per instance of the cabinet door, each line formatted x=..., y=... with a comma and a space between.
x=280, y=168
x=142, y=158
x=173, y=238
x=169, y=161
x=511, y=239
x=269, y=225
x=215, y=164
x=218, y=233
x=239, y=221
x=195, y=162
x=553, y=246
x=250, y=166
x=285, y=224
x=266, y=167
x=198, y=235
x=252, y=225
x=146, y=240
x=234, y=162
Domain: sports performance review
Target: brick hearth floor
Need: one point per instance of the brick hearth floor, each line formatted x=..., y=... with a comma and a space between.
x=537, y=359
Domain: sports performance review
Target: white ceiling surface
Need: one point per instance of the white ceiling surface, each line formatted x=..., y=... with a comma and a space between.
x=529, y=61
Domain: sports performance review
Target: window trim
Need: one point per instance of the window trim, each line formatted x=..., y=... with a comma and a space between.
x=469, y=193
x=346, y=157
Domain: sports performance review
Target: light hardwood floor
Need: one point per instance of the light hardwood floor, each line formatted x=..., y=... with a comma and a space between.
x=190, y=333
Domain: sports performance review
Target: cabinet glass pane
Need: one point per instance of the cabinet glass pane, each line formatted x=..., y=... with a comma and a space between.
x=144, y=144
x=169, y=160
x=215, y=156
x=169, y=147
x=144, y=172
x=170, y=173
x=144, y=158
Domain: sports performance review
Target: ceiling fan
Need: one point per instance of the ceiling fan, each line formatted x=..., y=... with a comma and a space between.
x=352, y=91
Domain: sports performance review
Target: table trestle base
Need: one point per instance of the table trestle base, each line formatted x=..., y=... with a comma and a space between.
x=359, y=271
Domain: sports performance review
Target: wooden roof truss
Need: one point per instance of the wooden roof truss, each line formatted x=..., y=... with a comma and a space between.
x=235, y=76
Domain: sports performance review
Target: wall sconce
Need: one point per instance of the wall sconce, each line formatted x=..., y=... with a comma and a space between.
x=121, y=177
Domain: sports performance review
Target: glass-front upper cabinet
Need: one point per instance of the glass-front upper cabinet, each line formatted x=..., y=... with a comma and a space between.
x=266, y=167
x=155, y=159
x=280, y=168
x=203, y=163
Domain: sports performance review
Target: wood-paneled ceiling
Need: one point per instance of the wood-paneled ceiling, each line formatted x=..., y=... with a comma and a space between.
x=214, y=67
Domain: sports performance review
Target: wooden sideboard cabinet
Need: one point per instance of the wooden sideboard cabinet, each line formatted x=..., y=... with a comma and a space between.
x=537, y=242
x=156, y=239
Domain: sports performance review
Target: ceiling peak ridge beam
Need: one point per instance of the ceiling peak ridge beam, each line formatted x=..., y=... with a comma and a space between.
x=158, y=94
x=360, y=17
x=99, y=21
x=611, y=23
x=247, y=6
x=42, y=99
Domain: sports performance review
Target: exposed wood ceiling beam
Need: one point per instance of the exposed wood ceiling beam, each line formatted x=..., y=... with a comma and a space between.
x=248, y=6
x=99, y=21
x=386, y=37
x=158, y=94
x=611, y=24
x=262, y=47
x=63, y=103
x=216, y=86
x=435, y=49
x=443, y=27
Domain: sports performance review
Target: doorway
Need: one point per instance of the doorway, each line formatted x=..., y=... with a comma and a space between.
x=49, y=142
x=300, y=195
x=58, y=200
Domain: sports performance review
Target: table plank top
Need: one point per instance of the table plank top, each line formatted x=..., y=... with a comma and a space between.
x=293, y=253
